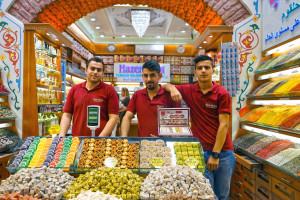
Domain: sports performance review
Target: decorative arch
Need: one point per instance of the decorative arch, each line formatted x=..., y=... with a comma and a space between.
x=198, y=13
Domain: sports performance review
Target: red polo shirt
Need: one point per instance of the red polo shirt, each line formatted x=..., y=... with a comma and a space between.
x=146, y=109
x=205, y=110
x=80, y=97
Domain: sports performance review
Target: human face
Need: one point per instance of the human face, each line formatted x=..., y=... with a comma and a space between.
x=94, y=72
x=204, y=71
x=151, y=78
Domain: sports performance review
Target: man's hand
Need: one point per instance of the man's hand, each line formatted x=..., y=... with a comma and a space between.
x=212, y=163
x=151, y=135
x=175, y=94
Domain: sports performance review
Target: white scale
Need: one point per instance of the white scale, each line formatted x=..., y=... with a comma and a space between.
x=93, y=118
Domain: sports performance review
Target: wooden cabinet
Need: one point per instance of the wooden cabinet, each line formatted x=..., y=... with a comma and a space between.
x=3, y=172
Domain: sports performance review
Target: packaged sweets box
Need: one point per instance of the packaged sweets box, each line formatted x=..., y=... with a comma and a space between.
x=174, y=122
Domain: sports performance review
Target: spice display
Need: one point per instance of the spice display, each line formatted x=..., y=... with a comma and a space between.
x=274, y=148
x=89, y=195
x=293, y=166
x=279, y=83
x=271, y=112
x=260, y=144
x=46, y=183
x=297, y=127
x=244, y=138
x=288, y=85
x=154, y=149
x=6, y=113
x=271, y=63
x=290, y=58
x=95, y=151
x=265, y=89
x=288, y=122
x=184, y=150
x=250, y=141
x=4, y=141
x=272, y=120
x=282, y=116
x=256, y=114
x=255, y=90
x=175, y=179
x=284, y=156
x=16, y=196
x=115, y=181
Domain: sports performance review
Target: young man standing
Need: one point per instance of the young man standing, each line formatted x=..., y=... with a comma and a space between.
x=91, y=92
x=210, y=106
x=145, y=103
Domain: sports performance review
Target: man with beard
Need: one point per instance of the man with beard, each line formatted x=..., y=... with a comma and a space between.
x=145, y=103
x=91, y=92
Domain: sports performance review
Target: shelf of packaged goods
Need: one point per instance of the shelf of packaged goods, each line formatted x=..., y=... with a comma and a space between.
x=47, y=108
x=71, y=74
x=48, y=52
x=265, y=162
x=278, y=69
x=39, y=66
x=49, y=87
x=277, y=129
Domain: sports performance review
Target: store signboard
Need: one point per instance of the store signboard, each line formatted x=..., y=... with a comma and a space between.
x=132, y=72
x=281, y=22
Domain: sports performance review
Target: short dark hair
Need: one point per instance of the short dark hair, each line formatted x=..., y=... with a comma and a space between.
x=202, y=58
x=96, y=59
x=152, y=65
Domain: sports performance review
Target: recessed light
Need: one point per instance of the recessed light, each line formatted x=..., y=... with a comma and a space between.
x=187, y=24
x=158, y=36
x=48, y=34
x=210, y=36
x=123, y=36
x=98, y=27
x=200, y=47
x=101, y=35
x=63, y=45
x=204, y=42
x=56, y=39
x=93, y=19
x=183, y=31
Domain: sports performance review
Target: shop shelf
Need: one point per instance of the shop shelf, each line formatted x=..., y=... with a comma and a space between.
x=292, y=64
x=268, y=163
x=48, y=52
x=48, y=87
x=4, y=93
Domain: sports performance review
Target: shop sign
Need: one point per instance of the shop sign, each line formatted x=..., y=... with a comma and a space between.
x=54, y=129
x=110, y=162
x=280, y=22
x=192, y=162
x=157, y=162
x=132, y=72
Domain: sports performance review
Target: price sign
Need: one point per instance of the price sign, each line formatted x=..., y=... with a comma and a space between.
x=157, y=162
x=54, y=129
x=192, y=162
x=110, y=162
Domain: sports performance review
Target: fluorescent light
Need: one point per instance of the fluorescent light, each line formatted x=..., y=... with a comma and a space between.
x=98, y=27
x=280, y=74
x=210, y=36
x=93, y=19
x=200, y=47
x=186, y=24
x=284, y=47
x=63, y=45
x=123, y=36
x=283, y=101
x=48, y=34
x=158, y=36
x=74, y=28
x=271, y=133
x=183, y=31
x=204, y=42
x=56, y=39
x=101, y=35
x=4, y=125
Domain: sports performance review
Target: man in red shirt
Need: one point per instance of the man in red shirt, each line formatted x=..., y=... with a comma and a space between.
x=145, y=103
x=91, y=92
x=210, y=110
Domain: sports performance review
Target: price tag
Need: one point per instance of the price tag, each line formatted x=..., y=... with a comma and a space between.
x=54, y=129
x=110, y=162
x=157, y=162
x=192, y=162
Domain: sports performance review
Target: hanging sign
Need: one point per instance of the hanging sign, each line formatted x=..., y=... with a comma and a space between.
x=54, y=129
x=192, y=162
x=157, y=162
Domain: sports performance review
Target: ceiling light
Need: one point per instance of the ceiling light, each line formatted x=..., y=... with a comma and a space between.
x=98, y=27
x=210, y=36
x=93, y=19
x=283, y=47
x=204, y=42
x=200, y=47
x=123, y=36
x=48, y=34
x=63, y=45
x=140, y=21
x=101, y=35
x=56, y=39
x=183, y=31
x=187, y=24
x=158, y=36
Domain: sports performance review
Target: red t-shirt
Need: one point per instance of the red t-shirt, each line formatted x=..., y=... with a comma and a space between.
x=205, y=110
x=146, y=110
x=80, y=97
